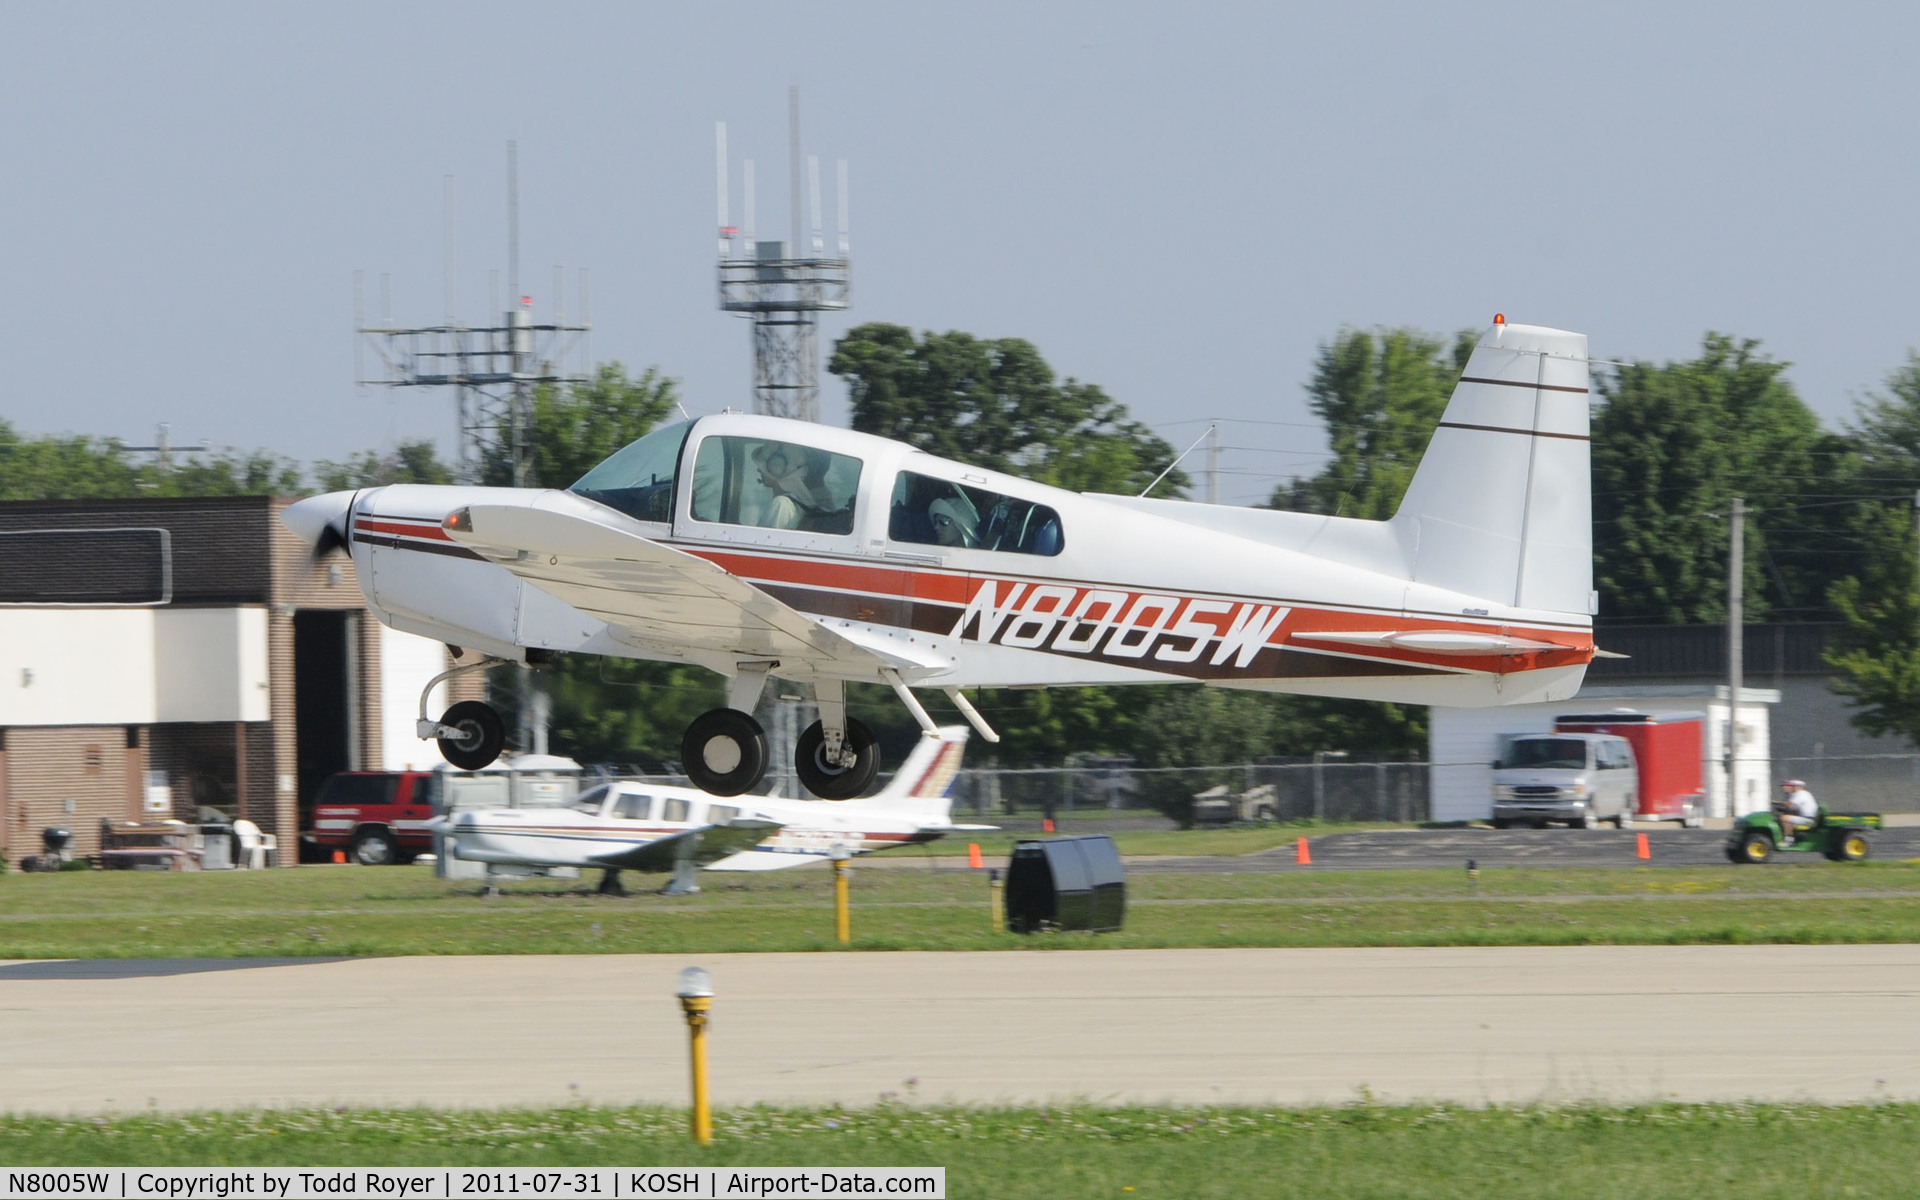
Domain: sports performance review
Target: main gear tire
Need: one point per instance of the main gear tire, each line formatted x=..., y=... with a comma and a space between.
x=831, y=781
x=479, y=738
x=724, y=752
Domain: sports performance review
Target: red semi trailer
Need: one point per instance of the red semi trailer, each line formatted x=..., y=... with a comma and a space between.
x=1668, y=751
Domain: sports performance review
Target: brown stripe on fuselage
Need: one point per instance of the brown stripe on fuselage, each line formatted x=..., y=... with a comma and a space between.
x=448, y=548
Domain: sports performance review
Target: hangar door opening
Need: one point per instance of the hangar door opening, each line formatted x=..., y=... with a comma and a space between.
x=325, y=699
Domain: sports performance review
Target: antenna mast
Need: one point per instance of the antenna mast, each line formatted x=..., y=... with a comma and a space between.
x=782, y=288
x=493, y=368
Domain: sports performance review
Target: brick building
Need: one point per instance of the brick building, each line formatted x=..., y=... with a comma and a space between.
x=160, y=656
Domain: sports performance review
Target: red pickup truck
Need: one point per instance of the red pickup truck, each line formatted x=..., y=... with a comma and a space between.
x=378, y=817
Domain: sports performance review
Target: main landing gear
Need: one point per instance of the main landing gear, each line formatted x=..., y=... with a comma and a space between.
x=725, y=751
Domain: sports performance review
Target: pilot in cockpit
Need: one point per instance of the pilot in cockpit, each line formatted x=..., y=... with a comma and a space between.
x=797, y=491
x=955, y=523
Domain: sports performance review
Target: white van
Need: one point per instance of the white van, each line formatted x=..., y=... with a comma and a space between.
x=1582, y=779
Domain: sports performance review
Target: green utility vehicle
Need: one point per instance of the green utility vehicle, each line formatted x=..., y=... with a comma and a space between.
x=1842, y=837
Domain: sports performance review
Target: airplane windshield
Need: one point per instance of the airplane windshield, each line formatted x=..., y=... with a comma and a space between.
x=638, y=480
x=589, y=802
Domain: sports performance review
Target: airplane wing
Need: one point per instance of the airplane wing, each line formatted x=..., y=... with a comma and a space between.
x=701, y=846
x=658, y=598
x=752, y=859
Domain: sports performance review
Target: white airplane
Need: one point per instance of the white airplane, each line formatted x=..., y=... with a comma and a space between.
x=760, y=547
x=650, y=827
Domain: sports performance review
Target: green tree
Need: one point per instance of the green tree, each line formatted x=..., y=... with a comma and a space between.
x=996, y=403
x=1380, y=394
x=72, y=467
x=1876, y=653
x=415, y=461
x=1672, y=445
x=575, y=427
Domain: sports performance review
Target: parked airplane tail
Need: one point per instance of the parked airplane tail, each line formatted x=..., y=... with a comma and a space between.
x=1501, y=506
x=921, y=786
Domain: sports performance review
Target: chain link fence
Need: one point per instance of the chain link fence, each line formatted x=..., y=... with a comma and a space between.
x=1280, y=792
x=1863, y=782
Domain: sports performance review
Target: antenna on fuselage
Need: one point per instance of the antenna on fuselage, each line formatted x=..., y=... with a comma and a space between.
x=1176, y=462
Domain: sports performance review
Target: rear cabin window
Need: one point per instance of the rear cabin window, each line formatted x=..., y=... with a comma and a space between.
x=937, y=512
x=638, y=480
x=722, y=814
x=633, y=808
x=774, y=485
x=676, y=810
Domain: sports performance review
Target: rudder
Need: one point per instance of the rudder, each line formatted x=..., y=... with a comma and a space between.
x=1501, y=505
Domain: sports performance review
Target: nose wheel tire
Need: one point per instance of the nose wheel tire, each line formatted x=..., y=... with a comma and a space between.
x=837, y=781
x=724, y=752
x=481, y=735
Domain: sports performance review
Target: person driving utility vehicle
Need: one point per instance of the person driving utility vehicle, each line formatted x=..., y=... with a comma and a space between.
x=1796, y=808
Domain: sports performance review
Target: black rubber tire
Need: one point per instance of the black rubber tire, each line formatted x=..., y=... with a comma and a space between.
x=482, y=735
x=375, y=848
x=1850, y=846
x=1755, y=846
x=837, y=783
x=716, y=737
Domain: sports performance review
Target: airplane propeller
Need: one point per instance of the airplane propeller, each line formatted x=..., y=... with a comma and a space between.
x=322, y=522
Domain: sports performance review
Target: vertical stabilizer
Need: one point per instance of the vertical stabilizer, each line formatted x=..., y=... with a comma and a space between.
x=1501, y=506
x=921, y=784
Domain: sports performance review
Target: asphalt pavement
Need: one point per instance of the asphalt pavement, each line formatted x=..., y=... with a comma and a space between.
x=1667, y=846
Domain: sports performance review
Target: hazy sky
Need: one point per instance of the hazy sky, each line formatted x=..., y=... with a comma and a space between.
x=1175, y=203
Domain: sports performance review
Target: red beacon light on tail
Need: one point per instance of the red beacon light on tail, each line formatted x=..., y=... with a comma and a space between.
x=1499, y=318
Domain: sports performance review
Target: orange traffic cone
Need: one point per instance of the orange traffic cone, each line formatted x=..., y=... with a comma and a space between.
x=973, y=855
x=1046, y=824
x=1642, y=850
x=339, y=856
x=1301, y=853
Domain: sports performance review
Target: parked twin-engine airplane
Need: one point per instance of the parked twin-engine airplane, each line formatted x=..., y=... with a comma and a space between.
x=762, y=547
x=641, y=826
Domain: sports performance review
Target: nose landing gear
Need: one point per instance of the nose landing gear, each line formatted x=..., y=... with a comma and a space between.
x=470, y=733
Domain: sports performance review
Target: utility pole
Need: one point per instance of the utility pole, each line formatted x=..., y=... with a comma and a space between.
x=1736, y=645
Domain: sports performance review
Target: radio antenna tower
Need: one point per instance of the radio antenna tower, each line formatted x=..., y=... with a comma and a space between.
x=493, y=369
x=782, y=286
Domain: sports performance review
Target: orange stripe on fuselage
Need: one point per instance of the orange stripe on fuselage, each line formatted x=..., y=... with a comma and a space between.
x=420, y=530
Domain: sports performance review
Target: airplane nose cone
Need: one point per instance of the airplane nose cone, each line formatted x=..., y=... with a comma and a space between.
x=319, y=518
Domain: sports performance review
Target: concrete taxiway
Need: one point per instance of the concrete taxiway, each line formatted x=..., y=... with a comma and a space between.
x=1474, y=1025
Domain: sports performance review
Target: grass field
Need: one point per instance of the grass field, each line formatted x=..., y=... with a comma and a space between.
x=1702, y=1151
x=399, y=911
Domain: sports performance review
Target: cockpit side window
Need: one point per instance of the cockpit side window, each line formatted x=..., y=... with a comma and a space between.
x=774, y=485
x=638, y=480
x=937, y=512
x=633, y=807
